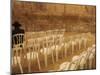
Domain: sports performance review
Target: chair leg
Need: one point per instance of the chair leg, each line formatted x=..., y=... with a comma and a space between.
x=82, y=66
x=52, y=57
x=90, y=64
x=19, y=63
x=45, y=59
x=56, y=55
x=38, y=62
x=65, y=51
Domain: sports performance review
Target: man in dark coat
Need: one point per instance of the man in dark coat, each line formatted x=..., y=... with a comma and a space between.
x=17, y=30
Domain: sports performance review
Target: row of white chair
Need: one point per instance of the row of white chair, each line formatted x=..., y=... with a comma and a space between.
x=33, y=45
x=78, y=62
x=46, y=45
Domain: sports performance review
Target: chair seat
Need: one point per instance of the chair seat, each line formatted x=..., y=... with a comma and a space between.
x=64, y=66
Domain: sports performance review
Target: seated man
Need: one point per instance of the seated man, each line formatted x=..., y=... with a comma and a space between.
x=17, y=30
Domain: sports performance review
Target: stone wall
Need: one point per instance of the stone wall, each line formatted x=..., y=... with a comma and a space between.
x=44, y=16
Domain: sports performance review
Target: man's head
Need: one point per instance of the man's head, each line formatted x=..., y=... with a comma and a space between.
x=16, y=25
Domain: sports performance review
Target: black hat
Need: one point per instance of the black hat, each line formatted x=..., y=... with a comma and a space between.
x=16, y=24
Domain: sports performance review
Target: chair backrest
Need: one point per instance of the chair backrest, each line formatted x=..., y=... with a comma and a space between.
x=64, y=66
x=30, y=44
x=18, y=40
x=92, y=53
x=74, y=63
x=84, y=56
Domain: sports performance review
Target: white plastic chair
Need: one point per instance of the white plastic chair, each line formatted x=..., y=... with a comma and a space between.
x=74, y=63
x=64, y=66
x=18, y=46
x=83, y=60
x=91, y=57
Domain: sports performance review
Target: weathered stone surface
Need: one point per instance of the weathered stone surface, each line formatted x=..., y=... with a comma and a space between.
x=43, y=16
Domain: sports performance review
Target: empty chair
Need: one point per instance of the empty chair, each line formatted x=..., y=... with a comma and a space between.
x=72, y=42
x=37, y=52
x=83, y=60
x=91, y=57
x=18, y=46
x=73, y=46
x=17, y=60
x=64, y=66
x=29, y=52
x=33, y=48
x=66, y=48
x=44, y=50
x=85, y=56
x=74, y=63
